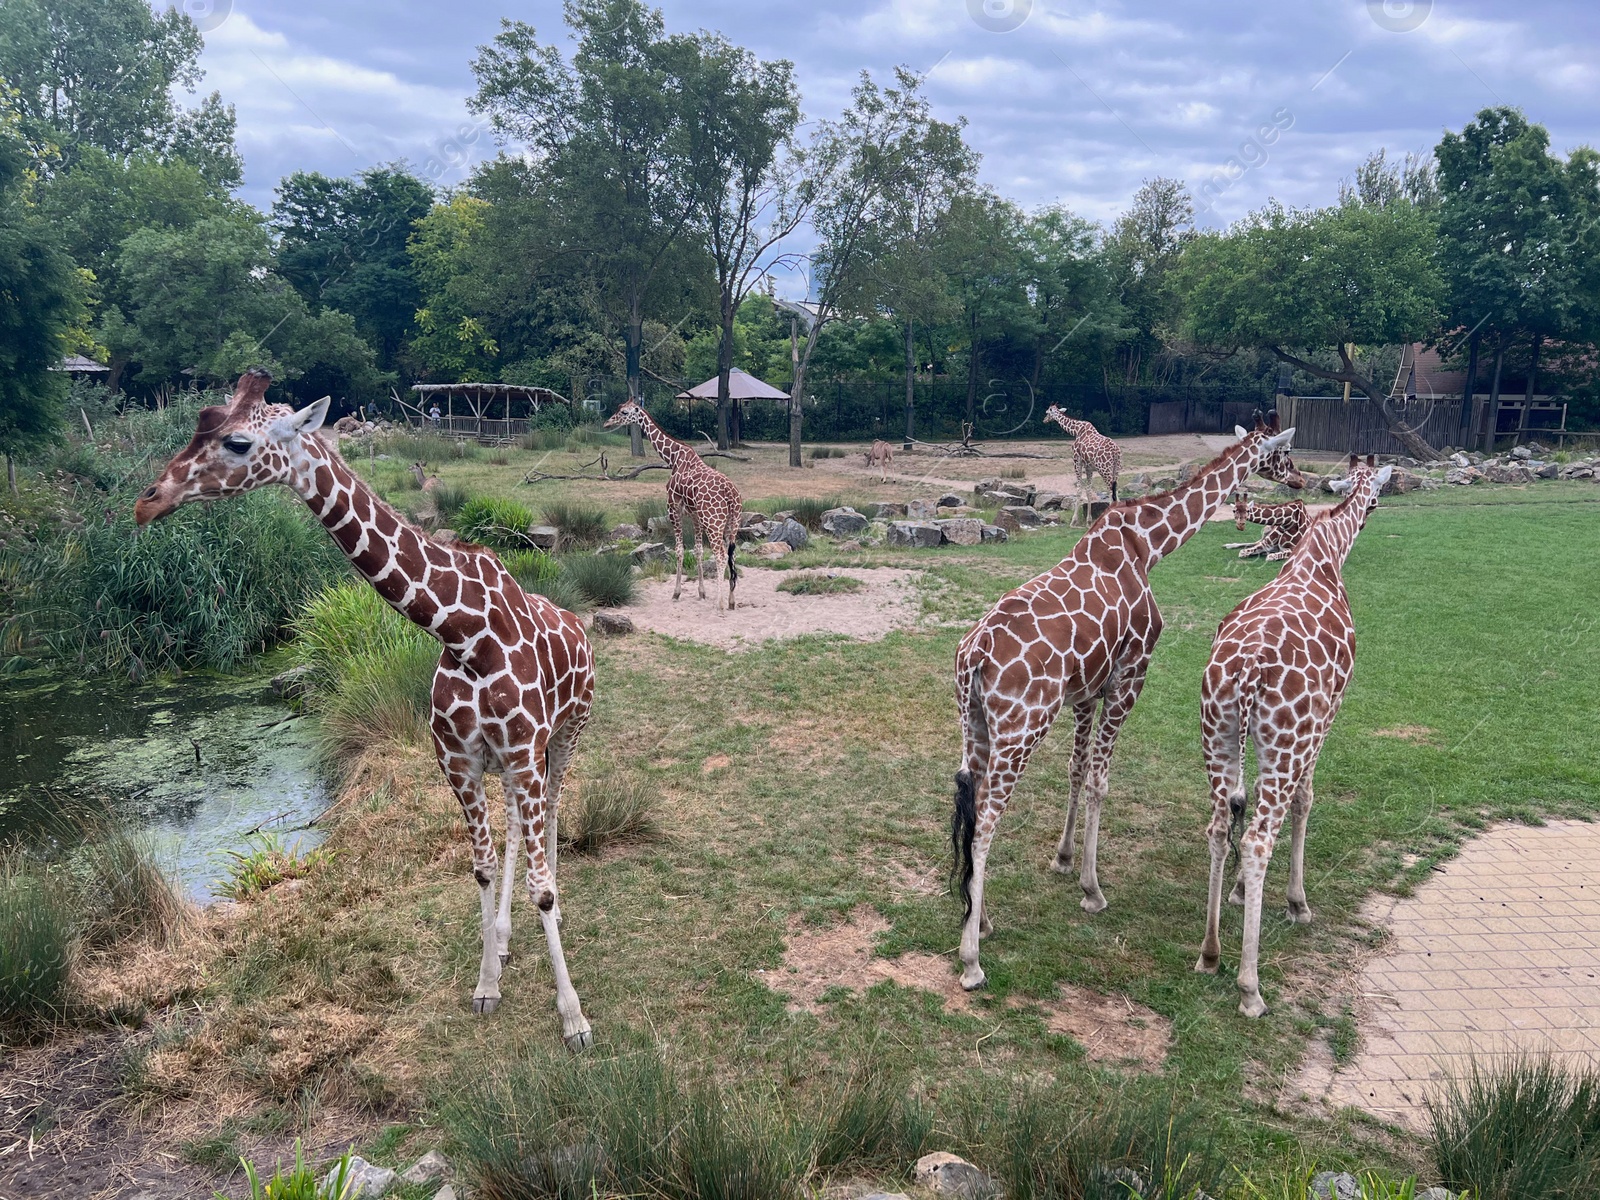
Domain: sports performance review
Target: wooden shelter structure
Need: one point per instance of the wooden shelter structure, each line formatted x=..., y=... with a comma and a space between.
x=517, y=403
x=741, y=386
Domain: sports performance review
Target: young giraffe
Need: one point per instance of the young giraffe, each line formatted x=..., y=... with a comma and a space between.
x=1278, y=670
x=516, y=677
x=1285, y=523
x=1091, y=451
x=704, y=491
x=1080, y=634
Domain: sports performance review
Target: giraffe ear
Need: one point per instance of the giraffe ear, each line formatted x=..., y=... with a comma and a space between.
x=1383, y=476
x=1371, y=461
x=1240, y=431
x=307, y=420
x=1280, y=441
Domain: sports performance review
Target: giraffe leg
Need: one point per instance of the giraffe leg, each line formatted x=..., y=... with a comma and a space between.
x=502, y=921
x=528, y=784
x=558, y=758
x=1082, y=740
x=677, y=541
x=464, y=769
x=992, y=789
x=1299, y=814
x=1224, y=753
x=1255, y=850
x=1120, y=698
x=700, y=540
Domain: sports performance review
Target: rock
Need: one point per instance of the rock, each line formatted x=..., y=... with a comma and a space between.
x=612, y=623
x=1400, y=482
x=772, y=550
x=1508, y=473
x=1521, y=452
x=923, y=534
x=842, y=522
x=432, y=1166
x=883, y=510
x=1187, y=472
x=649, y=552
x=747, y=519
x=364, y=1182
x=1460, y=460
x=546, y=537
x=293, y=683
x=956, y=510
x=952, y=500
x=1463, y=476
x=659, y=527
x=852, y=544
x=626, y=531
x=1436, y=1193
x=962, y=531
x=446, y=537
x=1335, y=1185
x=1164, y=483
x=445, y=1193
x=921, y=510
x=953, y=1176
x=1023, y=514
x=993, y=533
x=1049, y=501
x=793, y=534
x=1123, y=1181
x=885, y=1196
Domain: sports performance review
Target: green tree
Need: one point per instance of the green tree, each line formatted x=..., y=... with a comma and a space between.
x=1071, y=288
x=41, y=304
x=451, y=341
x=342, y=243
x=1304, y=285
x=1146, y=243
x=985, y=259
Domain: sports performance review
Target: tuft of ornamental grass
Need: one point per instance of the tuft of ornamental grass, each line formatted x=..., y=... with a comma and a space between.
x=122, y=891
x=448, y=501
x=613, y=808
x=1013, y=472
x=806, y=510
x=643, y=510
x=266, y=863
x=580, y=524
x=546, y=438
x=38, y=931
x=300, y=1182
x=414, y=445
x=828, y=452
x=817, y=583
x=541, y=575
x=1523, y=1126
x=495, y=522
x=604, y=580
x=378, y=695
x=341, y=623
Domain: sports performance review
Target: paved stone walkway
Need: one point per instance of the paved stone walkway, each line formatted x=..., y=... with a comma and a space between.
x=1498, y=952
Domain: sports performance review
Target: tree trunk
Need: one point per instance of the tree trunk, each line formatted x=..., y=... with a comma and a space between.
x=634, y=339
x=724, y=366
x=1492, y=425
x=11, y=472
x=1527, y=394
x=972, y=379
x=1468, y=390
x=911, y=384
x=797, y=381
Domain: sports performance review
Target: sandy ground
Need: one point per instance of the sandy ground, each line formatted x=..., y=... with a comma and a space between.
x=888, y=601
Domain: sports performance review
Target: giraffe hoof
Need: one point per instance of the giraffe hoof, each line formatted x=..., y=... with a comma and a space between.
x=1093, y=903
x=1237, y=895
x=505, y=957
x=1300, y=913
x=484, y=1005
x=974, y=980
x=1062, y=866
x=1253, y=1006
x=1208, y=964
x=580, y=1041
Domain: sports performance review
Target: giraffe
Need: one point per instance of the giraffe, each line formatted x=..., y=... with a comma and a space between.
x=1285, y=524
x=515, y=679
x=704, y=491
x=1080, y=634
x=1278, y=670
x=1091, y=451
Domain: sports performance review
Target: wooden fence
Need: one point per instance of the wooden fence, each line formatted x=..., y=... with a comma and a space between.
x=1201, y=415
x=1328, y=423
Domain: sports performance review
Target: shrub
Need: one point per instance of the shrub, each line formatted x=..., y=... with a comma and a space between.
x=1524, y=1127
x=37, y=932
x=580, y=524
x=267, y=863
x=615, y=807
x=815, y=583
x=301, y=1183
x=604, y=580
x=541, y=575
x=494, y=521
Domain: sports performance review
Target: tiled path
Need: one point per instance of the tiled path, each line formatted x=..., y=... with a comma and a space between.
x=1499, y=951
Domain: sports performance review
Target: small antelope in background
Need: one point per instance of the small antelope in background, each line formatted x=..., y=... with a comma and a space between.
x=879, y=457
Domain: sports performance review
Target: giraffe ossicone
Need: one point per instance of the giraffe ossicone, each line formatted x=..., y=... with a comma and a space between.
x=1080, y=635
x=515, y=680
x=699, y=489
x=1279, y=666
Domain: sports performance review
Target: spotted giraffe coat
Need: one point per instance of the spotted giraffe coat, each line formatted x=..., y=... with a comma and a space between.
x=1284, y=526
x=1092, y=452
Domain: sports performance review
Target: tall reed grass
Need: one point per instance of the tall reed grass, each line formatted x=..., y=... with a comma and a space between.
x=605, y=580
x=580, y=524
x=496, y=522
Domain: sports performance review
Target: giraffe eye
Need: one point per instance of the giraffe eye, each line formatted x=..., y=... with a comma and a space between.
x=237, y=444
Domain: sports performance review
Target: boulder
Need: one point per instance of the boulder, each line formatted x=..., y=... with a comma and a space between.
x=884, y=510
x=649, y=552
x=364, y=1182
x=1460, y=460
x=843, y=522
x=772, y=550
x=1024, y=515
x=924, y=534
x=430, y=1168
x=993, y=533
x=1436, y=1193
x=1049, y=501
x=956, y=510
x=1187, y=472
x=952, y=1176
x=293, y=683
x=446, y=537
x=747, y=519
x=659, y=527
x=546, y=537
x=1335, y=1185
x=1400, y=482
x=447, y=1192
x=921, y=510
x=962, y=531
x=1508, y=473
x=1521, y=452
x=952, y=500
x=793, y=534
x=1463, y=475
x=753, y=533
x=612, y=623
x=628, y=532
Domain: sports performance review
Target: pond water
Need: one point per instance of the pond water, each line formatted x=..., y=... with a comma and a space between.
x=204, y=764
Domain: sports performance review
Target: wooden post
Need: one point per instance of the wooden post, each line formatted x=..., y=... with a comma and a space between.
x=1349, y=349
x=1467, y=392
x=1492, y=425
x=1527, y=394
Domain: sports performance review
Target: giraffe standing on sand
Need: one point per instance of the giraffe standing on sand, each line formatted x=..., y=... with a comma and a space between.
x=1284, y=525
x=1080, y=634
x=1091, y=451
x=705, y=492
x=516, y=677
x=1278, y=670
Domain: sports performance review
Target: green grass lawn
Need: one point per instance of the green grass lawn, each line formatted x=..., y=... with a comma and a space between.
x=805, y=778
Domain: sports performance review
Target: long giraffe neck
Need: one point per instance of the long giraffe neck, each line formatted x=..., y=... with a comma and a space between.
x=390, y=554
x=1169, y=519
x=1331, y=536
x=673, y=452
x=1274, y=514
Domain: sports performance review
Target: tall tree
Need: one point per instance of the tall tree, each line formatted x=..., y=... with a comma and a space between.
x=607, y=132
x=1304, y=285
x=749, y=198
x=986, y=263
x=1145, y=245
x=1071, y=288
x=885, y=146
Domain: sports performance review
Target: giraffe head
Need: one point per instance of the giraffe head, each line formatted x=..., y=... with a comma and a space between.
x=1275, y=462
x=1054, y=413
x=1241, y=505
x=1362, y=478
x=631, y=413
x=237, y=447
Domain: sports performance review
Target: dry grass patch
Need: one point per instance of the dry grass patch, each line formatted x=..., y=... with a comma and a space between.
x=1406, y=733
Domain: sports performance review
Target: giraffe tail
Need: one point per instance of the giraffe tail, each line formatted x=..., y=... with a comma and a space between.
x=733, y=571
x=1238, y=808
x=964, y=820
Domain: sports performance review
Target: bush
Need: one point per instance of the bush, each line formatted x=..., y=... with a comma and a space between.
x=580, y=524
x=616, y=807
x=815, y=583
x=37, y=931
x=604, y=580
x=1523, y=1128
x=494, y=521
x=541, y=575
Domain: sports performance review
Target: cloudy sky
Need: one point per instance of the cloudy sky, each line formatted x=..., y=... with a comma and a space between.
x=1073, y=101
